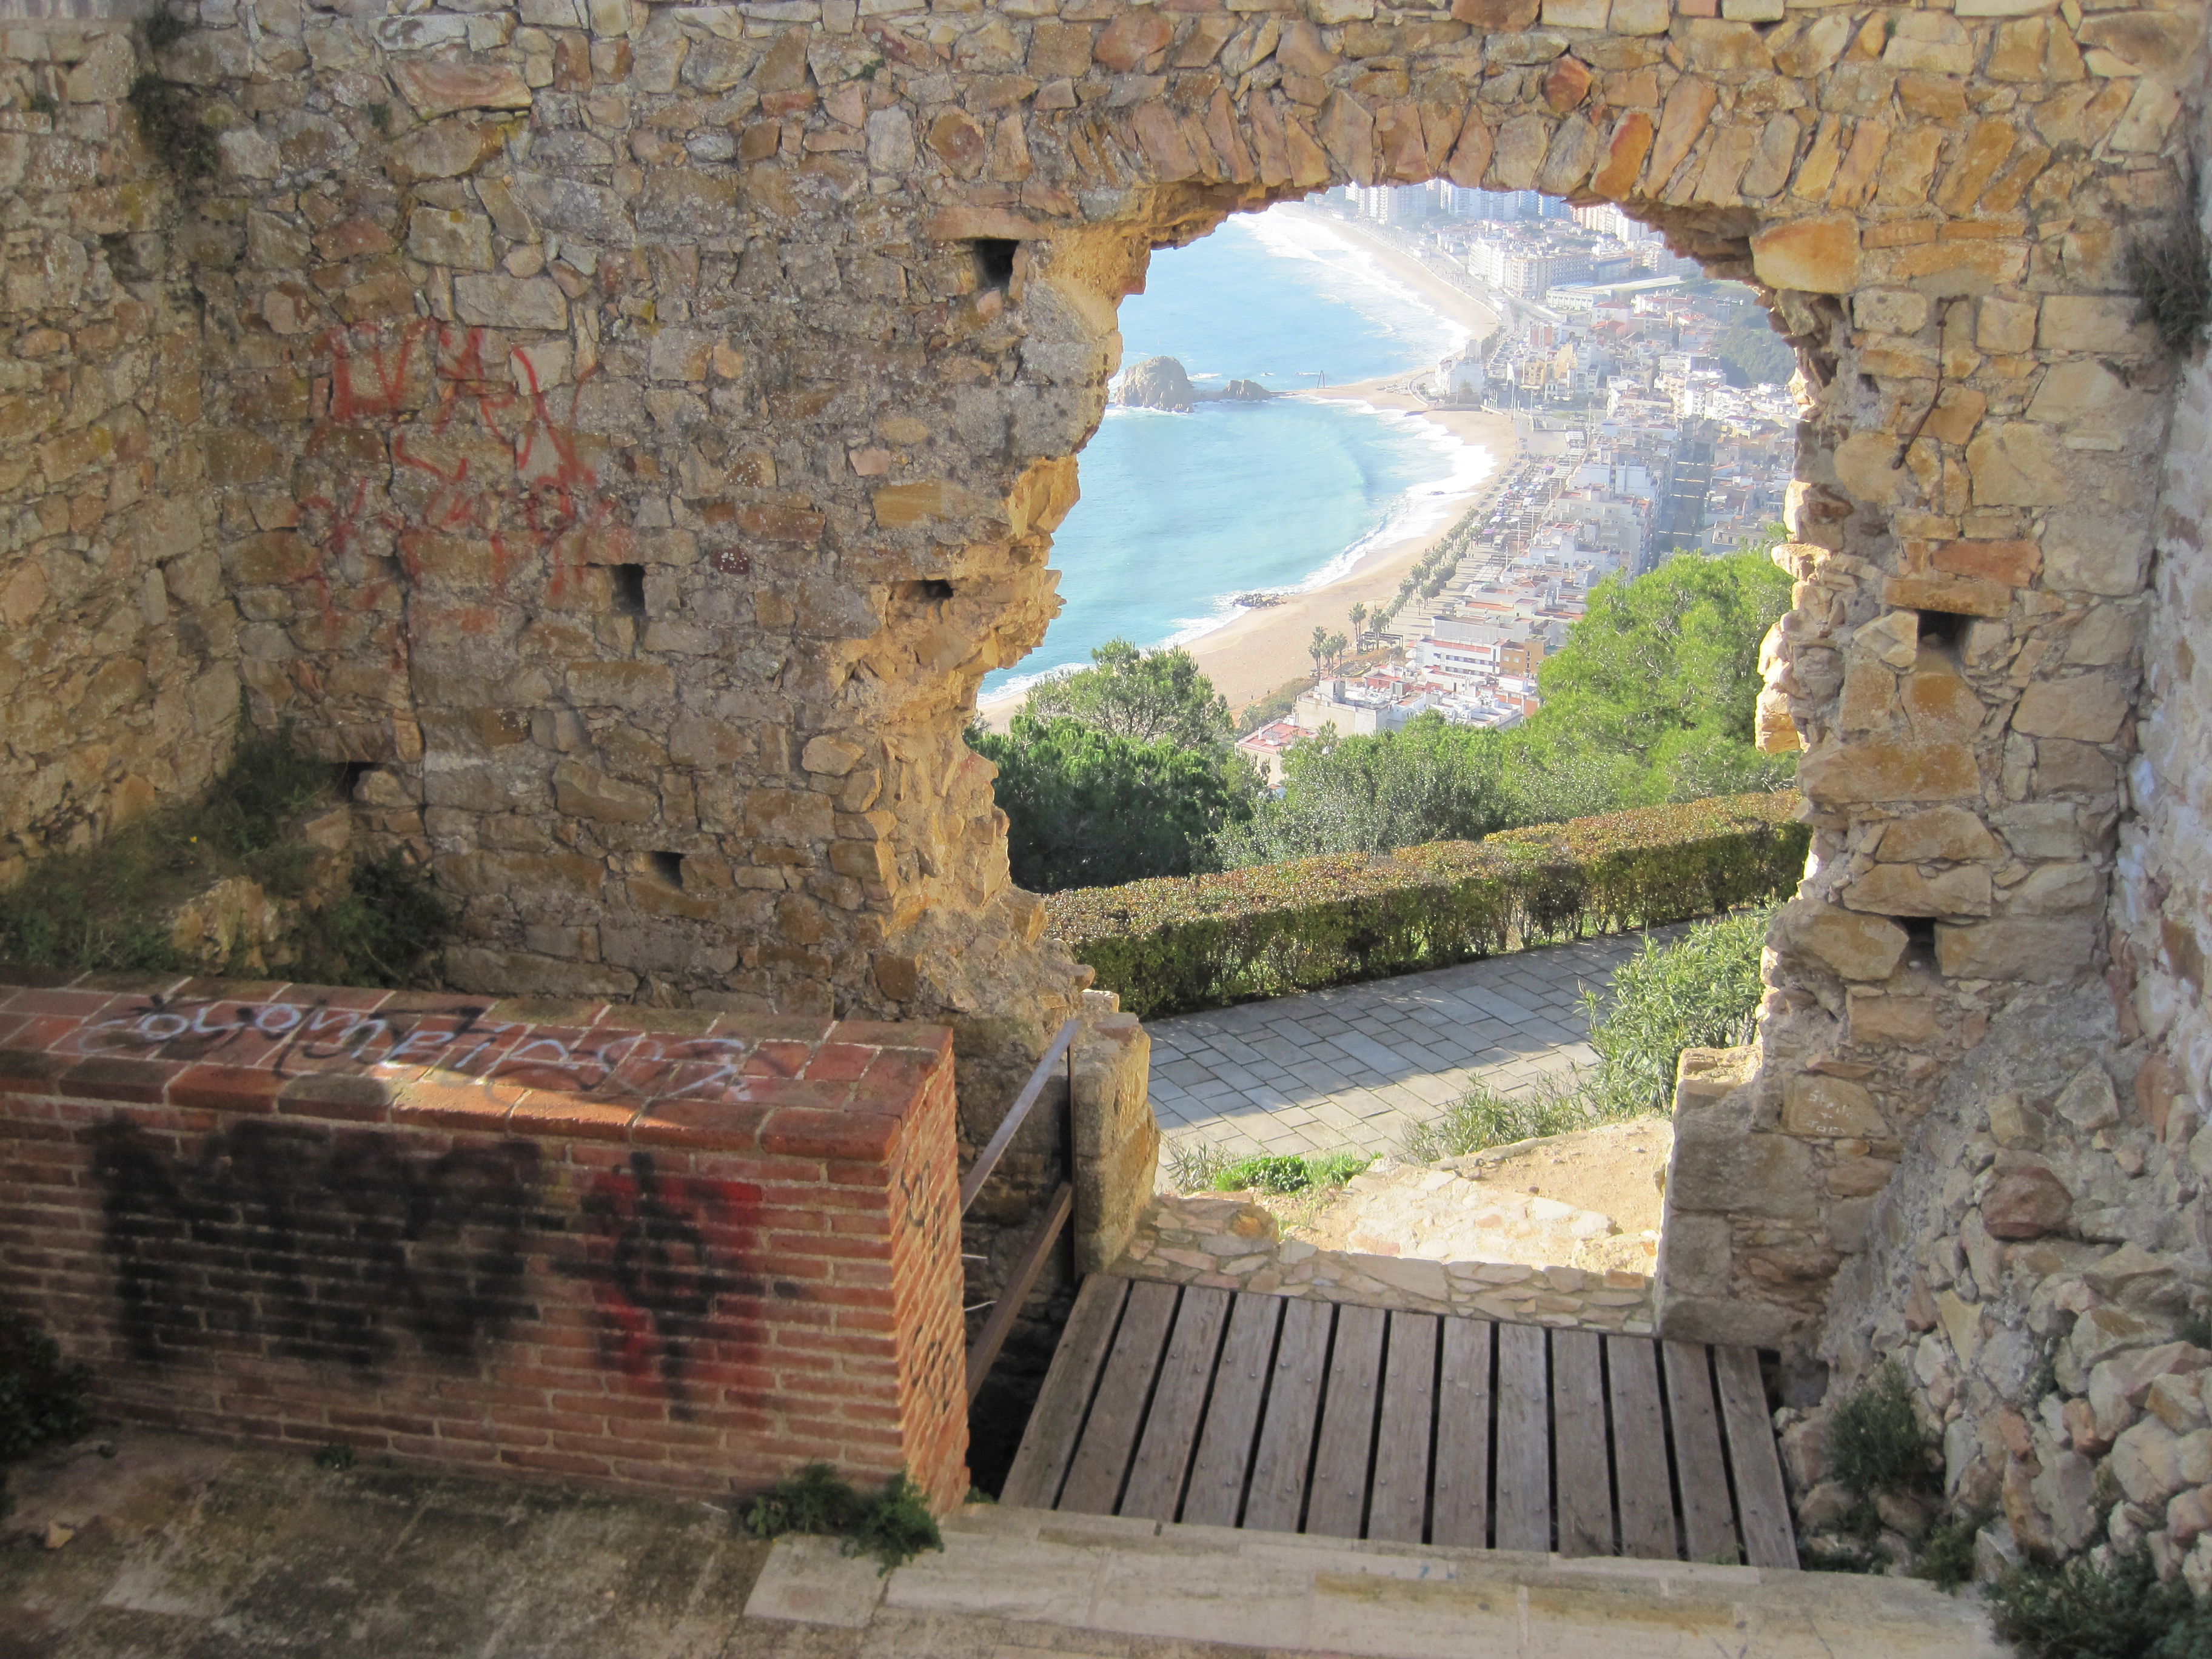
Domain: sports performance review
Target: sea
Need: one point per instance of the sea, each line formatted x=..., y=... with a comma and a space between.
x=1180, y=513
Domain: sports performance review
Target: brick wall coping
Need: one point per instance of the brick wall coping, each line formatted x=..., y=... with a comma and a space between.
x=781, y=1084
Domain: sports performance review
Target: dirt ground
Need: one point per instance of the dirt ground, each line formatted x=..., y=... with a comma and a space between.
x=1616, y=1170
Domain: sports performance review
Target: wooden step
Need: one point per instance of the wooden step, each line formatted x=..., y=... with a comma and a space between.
x=1288, y=1414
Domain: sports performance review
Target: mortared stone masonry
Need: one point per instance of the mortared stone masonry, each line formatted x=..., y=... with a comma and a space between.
x=672, y=1251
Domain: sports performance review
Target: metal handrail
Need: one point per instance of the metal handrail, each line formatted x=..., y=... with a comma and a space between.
x=1059, y=1210
x=987, y=1159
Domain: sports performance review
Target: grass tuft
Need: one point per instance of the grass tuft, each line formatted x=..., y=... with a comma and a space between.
x=2173, y=275
x=169, y=118
x=1289, y=1173
x=894, y=1526
x=1483, y=1118
x=1946, y=1559
x=1875, y=1442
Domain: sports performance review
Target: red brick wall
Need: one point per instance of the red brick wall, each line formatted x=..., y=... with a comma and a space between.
x=667, y=1250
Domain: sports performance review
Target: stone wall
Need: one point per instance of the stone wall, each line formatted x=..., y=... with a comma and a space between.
x=631, y=431
x=668, y=1252
x=118, y=639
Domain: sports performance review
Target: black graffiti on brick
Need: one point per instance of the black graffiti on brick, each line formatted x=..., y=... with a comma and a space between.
x=312, y=1243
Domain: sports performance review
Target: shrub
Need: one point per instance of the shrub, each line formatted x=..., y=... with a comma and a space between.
x=1702, y=991
x=1175, y=944
x=1875, y=1442
x=389, y=929
x=1946, y=1559
x=894, y=1526
x=1483, y=1118
x=2085, y=1611
x=1195, y=1165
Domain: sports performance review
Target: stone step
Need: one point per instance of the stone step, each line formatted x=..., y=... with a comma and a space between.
x=1274, y=1593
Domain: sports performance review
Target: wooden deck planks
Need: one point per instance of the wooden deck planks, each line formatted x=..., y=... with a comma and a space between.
x=1278, y=1496
x=1398, y=1507
x=1290, y=1414
x=1639, y=1449
x=1762, y=1505
x=1155, y=1488
x=1101, y=1458
x=1585, y=1478
x=1216, y=1497
x=1338, y=1505
x=1701, y=1476
x=1462, y=1513
x=1524, y=1439
x=1055, y=1421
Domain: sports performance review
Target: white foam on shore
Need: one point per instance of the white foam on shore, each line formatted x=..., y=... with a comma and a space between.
x=1305, y=236
x=1416, y=512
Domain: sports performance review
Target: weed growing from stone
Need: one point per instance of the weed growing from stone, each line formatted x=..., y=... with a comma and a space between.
x=1194, y=1164
x=389, y=929
x=1875, y=1443
x=1946, y=1559
x=2173, y=275
x=894, y=1526
x=2080, y=1610
x=169, y=113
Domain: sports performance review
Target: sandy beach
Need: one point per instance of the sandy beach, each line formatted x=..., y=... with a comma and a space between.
x=1261, y=650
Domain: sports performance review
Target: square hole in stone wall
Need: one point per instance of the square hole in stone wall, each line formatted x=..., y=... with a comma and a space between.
x=994, y=261
x=628, y=588
x=667, y=866
x=1941, y=626
x=1919, y=940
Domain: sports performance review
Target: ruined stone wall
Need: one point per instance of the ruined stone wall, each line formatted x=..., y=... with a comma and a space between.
x=118, y=638
x=634, y=429
x=2038, y=1267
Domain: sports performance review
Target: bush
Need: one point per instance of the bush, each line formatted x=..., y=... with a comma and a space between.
x=894, y=1526
x=390, y=929
x=2173, y=272
x=1483, y=1118
x=1875, y=1442
x=2083, y=1611
x=1700, y=992
x=43, y=1401
x=1175, y=944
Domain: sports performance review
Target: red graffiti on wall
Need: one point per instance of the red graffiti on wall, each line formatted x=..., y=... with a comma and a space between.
x=430, y=409
x=658, y=1256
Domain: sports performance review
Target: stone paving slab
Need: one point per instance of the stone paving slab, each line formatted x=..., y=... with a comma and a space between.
x=1072, y=1583
x=1358, y=1065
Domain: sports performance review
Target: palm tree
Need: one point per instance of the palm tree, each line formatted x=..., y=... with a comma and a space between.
x=1358, y=615
x=1318, y=647
x=1336, y=646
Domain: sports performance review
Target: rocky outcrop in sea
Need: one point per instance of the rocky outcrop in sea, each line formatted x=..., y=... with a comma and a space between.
x=1164, y=383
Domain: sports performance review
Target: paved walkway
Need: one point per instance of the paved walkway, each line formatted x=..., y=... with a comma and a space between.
x=1358, y=1065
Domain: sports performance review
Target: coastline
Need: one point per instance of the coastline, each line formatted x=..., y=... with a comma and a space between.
x=1256, y=651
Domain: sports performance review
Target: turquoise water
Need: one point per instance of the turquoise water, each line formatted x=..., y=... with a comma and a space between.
x=1180, y=513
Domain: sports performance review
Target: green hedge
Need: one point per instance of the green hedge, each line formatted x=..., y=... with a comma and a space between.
x=1180, y=944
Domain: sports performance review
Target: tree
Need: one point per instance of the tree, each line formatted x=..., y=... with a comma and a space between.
x=1431, y=782
x=1145, y=696
x=1661, y=678
x=1358, y=615
x=1317, y=648
x=1086, y=807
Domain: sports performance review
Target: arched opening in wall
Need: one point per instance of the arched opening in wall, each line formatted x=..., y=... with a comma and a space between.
x=1372, y=460
x=1370, y=456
